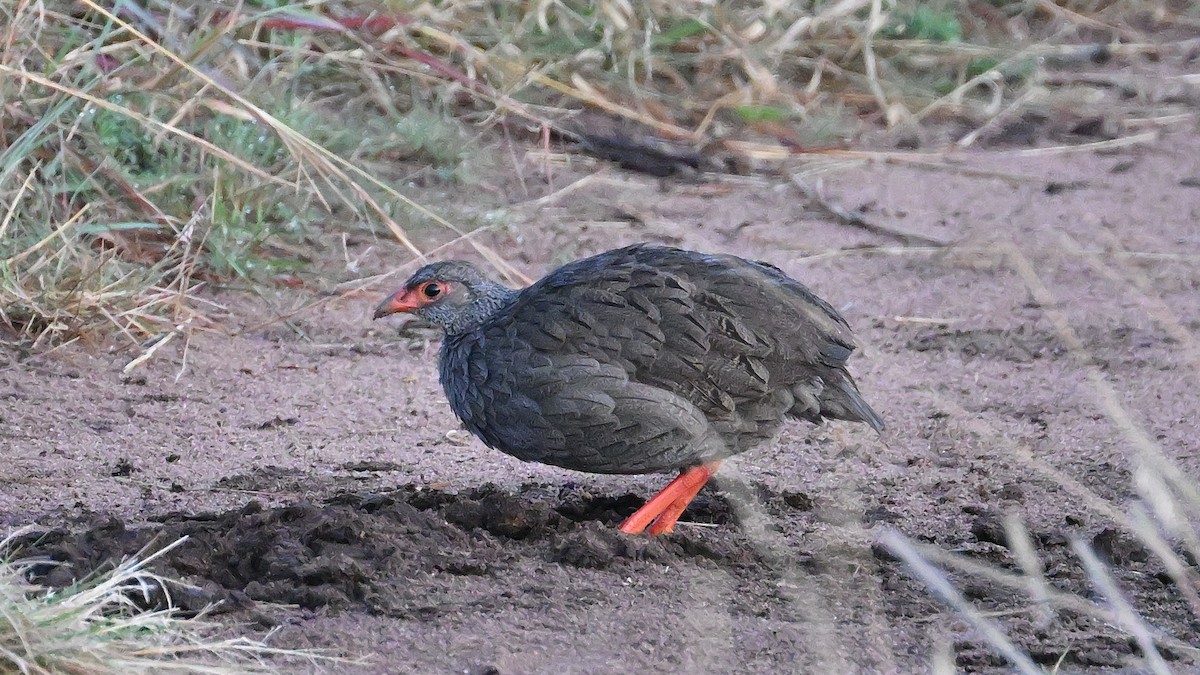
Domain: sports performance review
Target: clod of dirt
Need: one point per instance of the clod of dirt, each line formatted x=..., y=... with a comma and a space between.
x=883, y=553
x=276, y=422
x=989, y=528
x=881, y=514
x=596, y=546
x=798, y=500
x=503, y=515
x=587, y=547
x=1118, y=548
x=1059, y=187
x=123, y=468
x=1011, y=492
x=264, y=478
x=371, y=466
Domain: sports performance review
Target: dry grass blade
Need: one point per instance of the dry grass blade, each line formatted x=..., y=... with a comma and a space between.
x=97, y=626
x=141, y=119
x=1022, y=547
x=76, y=121
x=1177, y=568
x=305, y=150
x=1163, y=522
x=941, y=586
x=1147, y=448
x=1058, y=599
x=1124, y=612
x=1123, y=142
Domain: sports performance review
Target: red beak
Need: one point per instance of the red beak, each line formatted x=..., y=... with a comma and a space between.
x=403, y=300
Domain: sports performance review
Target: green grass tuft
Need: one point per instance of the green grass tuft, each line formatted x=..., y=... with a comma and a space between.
x=926, y=23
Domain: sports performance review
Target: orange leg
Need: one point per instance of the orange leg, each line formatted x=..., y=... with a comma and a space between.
x=660, y=513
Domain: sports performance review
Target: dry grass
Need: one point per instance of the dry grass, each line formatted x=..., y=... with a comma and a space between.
x=148, y=151
x=1164, y=519
x=134, y=169
x=99, y=626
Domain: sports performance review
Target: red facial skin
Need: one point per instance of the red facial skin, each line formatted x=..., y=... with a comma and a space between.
x=410, y=299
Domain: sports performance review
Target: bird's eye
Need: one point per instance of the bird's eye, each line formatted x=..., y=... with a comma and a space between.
x=431, y=290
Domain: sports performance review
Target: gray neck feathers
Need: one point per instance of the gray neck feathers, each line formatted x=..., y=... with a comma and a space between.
x=487, y=298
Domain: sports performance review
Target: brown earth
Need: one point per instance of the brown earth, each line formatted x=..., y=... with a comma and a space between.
x=326, y=486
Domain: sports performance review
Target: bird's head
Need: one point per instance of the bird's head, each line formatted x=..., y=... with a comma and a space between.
x=454, y=295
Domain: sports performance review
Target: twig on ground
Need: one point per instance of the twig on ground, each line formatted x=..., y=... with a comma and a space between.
x=1125, y=141
x=847, y=217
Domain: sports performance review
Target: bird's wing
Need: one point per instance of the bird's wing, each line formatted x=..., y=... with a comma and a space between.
x=714, y=328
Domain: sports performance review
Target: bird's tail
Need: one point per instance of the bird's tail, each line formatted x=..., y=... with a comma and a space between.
x=841, y=401
x=817, y=400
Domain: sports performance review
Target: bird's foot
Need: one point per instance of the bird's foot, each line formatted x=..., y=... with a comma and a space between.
x=660, y=514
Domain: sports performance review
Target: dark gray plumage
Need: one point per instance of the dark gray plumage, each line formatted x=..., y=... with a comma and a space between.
x=637, y=360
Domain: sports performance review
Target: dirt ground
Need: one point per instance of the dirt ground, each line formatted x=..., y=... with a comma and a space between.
x=327, y=487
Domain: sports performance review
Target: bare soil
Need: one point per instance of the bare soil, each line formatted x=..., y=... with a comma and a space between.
x=326, y=486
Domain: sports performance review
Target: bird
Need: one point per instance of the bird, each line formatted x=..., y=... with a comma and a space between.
x=638, y=360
